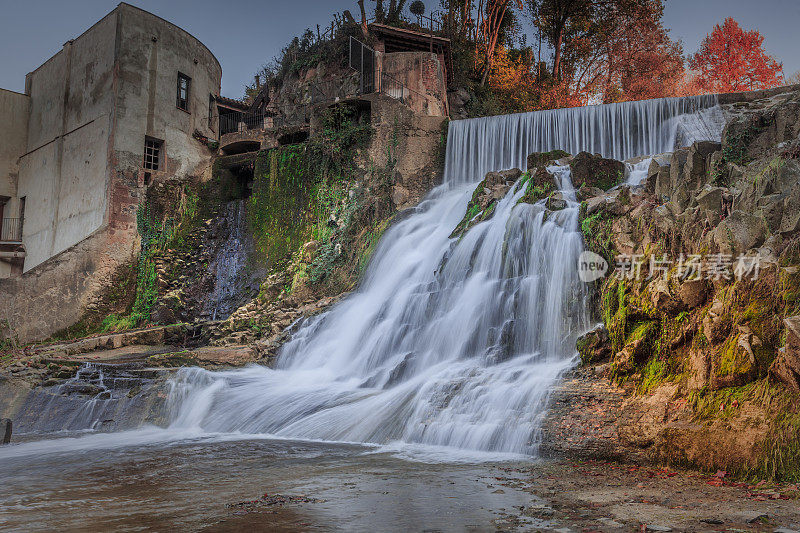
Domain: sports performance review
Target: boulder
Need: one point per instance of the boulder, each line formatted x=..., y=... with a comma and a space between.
x=539, y=159
x=594, y=347
x=739, y=232
x=555, y=202
x=662, y=298
x=786, y=366
x=693, y=293
x=695, y=171
x=709, y=200
x=596, y=171
x=584, y=193
x=667, y=180
x=658, y=166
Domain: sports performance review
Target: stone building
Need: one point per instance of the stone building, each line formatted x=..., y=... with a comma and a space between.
x=128, y=103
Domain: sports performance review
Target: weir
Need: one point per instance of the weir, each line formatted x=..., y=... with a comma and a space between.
x=451, y=342
x=619, y=131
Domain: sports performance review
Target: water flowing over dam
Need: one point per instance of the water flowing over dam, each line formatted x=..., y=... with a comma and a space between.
x=450, y=342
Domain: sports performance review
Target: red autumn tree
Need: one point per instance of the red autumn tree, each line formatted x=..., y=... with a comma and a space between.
x=731, y=59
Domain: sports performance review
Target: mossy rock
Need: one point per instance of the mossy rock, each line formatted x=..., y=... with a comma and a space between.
x=590, y=170
x=538, y=186
x=594, y=347
x=539, y=159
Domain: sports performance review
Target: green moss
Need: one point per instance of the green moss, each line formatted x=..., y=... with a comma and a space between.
x=597, y=233
x=541, y=158
x=535, y=193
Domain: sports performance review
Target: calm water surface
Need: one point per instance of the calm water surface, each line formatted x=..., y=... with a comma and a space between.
x=190, y=484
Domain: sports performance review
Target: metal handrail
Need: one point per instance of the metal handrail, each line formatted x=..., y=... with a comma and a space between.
x=11, y=230
x=396, y=89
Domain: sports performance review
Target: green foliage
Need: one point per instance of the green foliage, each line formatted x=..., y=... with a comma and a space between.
x=536, y=192
x=304, y=52
x=597, y=233
x=297, y=187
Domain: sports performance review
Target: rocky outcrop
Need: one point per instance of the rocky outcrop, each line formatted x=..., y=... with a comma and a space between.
x=702, y=318
x=786, y=367
x=485, y=197
x=596, y=171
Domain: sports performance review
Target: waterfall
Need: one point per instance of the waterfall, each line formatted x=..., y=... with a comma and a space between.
x=234, y=278
x=450, y=342
x=620, y=131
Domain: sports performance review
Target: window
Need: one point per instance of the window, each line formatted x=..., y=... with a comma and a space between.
x=153, y=150
x=21, y=215
x=211, y=104
x=184, y=85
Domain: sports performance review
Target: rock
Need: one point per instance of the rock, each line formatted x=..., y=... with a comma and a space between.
x=555, y=202
x=5, y=430
x=786, y=366
x=652, y=527
x=739, y=232
x=710, y=202
x=693, y=293
x=790, y=214
x=596, y=171
x=400, y=195
x=658, y=165
x=538, y=159
x=662, y=298
x=637, y=348
x=585, y=193
x=695, y=171
x=594, y=347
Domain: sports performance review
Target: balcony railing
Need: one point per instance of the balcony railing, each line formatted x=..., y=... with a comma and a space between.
x=11, y=230
x=243, y=122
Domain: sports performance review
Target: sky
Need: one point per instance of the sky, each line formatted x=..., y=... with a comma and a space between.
x=245, y=34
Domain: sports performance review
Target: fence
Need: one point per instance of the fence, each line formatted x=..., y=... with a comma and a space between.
x=11, y=230
x=432, y=22
x=286, y=116
x=362, y=60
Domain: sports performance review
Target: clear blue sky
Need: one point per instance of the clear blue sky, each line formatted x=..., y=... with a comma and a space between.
x=244, y=34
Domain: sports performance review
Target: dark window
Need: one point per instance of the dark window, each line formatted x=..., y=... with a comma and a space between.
x=211, y=104
x=184, y=85
x=153, y=149
x=21, y=215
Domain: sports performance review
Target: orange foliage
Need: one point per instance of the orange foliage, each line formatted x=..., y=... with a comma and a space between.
x=731, y=59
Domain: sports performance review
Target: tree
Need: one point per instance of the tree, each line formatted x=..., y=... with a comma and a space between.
x=552, y=18
x=731, y=59
x=493, y=19
x=609, y=50
x=641, y=60
x=417, y=8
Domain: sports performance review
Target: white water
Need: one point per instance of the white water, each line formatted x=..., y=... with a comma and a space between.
x=620, y=131
x=451, y=343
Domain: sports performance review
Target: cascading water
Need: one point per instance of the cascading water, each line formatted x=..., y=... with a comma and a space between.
x=448, y=342
x=620, y=131
x=234, y=279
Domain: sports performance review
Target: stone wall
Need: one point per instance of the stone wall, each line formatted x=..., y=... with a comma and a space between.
x=416, y=143
x=422, y=74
